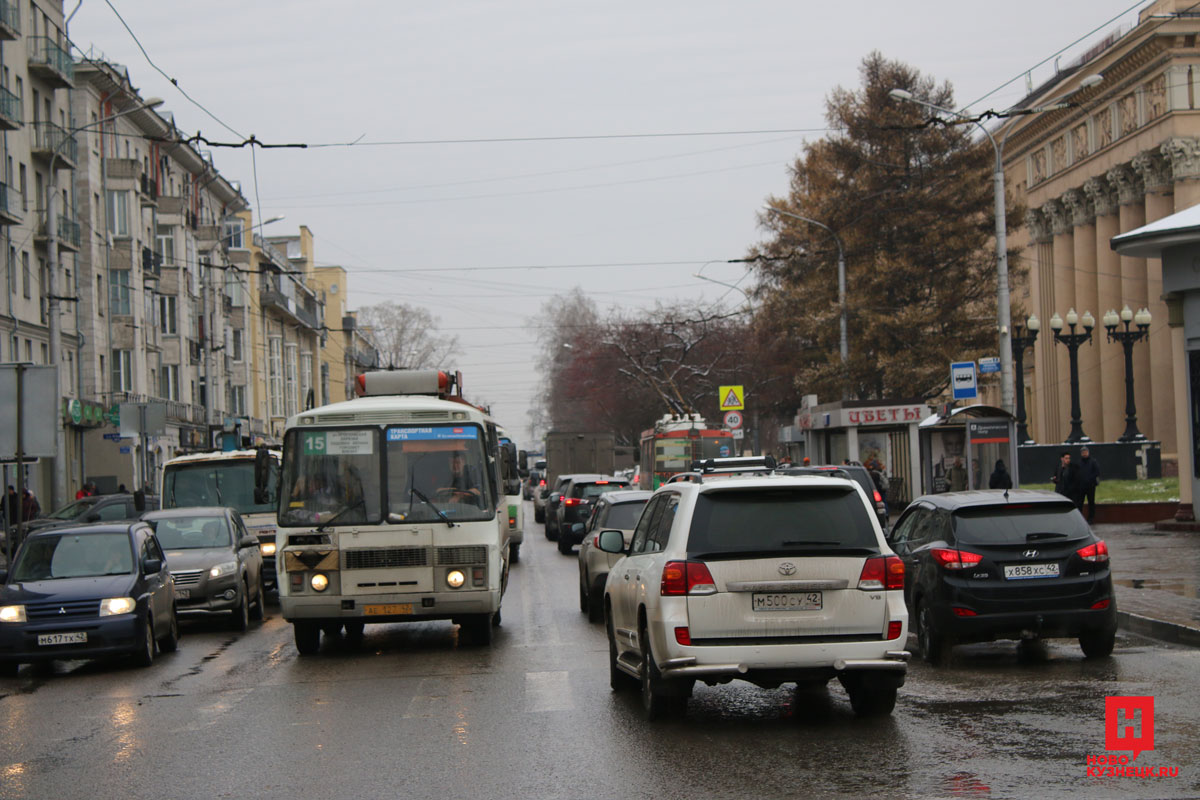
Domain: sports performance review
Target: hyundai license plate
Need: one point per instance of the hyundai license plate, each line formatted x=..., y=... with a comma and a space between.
x=1016, y=572
x=786, y=601
x=78, y=637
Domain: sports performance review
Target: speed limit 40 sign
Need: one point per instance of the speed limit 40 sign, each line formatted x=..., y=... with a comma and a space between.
x=733, y=420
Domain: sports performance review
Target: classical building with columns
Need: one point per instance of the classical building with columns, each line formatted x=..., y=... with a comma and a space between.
x=1123, y=153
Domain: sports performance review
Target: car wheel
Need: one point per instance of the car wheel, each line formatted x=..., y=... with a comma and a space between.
x=565, y=545
x=477, y=629
x=514, y=553
x=260, y=605
x=308, y=637
x=618, y=679
x=596, y=609
x=354, y=633
x=144, y=656
x=934, y=647
x=551, y=533
x=239, y=617
x=9, y=669
x=870, y=695
x=539, y=515
x=1098, y=644
x=170, y=642
x=583, y=592
x=661, y=698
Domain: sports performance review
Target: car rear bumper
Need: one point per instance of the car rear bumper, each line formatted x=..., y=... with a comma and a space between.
x=1030, y=624
x=807, y=660
x=110, y=636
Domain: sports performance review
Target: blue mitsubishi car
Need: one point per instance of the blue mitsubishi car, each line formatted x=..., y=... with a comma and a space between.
x=87, y=591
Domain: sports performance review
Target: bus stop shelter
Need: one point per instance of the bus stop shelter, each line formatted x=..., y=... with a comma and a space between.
x=972, y=438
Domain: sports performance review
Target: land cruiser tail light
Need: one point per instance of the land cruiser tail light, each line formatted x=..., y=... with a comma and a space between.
x=683, y=635
x=882, y=572
x=1097, y=552
x=955, y=559
x=687, y=577
x=894, y=629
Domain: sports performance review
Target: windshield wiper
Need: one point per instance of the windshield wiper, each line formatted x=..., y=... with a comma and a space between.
x=1033, y=537
x=338, y=515
x=421, y=495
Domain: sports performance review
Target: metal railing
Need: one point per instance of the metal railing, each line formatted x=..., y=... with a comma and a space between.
x=45, y=52
x=10, y=17
x=10, y=105
x=11, y=202
x=50, y=138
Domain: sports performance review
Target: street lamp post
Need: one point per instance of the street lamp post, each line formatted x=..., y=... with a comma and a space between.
x=843, y=346
x=1128, y=338
x=53, y=309
x=1019, y=344
x=1074, y=341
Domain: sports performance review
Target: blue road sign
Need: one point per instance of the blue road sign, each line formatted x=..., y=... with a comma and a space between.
x=962, y=380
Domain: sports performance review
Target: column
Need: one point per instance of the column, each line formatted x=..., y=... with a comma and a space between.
x=1182, y=388
x=1111, y=423
x=1130, y=195
x=1083, y=219
x=1064, y=298
x=1041, y=368
x=1160, y=202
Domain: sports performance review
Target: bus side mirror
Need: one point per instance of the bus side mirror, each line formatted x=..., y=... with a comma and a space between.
x=262, y=475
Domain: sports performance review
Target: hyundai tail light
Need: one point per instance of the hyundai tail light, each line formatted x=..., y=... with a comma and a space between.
x=955, y=559
x=1097, y=552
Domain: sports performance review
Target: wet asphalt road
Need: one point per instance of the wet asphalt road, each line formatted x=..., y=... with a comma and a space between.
x=413, y=714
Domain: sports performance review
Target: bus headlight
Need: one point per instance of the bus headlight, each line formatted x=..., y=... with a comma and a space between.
x=12, y=613
x=319, y=582
x=268, y=548
x=455, y=578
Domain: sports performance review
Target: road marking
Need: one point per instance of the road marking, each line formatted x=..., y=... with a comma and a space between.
x=548, y=691
x=426, y=704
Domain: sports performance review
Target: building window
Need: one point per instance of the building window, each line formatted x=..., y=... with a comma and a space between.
x=118, y=212
x=290, y=383
x=100, y=295
x=237, y=399
x=12, y=271
x=168, y=317
x=236, y=345
x=14, y=349
x=165, y=240
x=70, y=373
x=122, y=370
x=26, y=277
x=118, y=291
x=45, y=353
x=306, y=362
x=275, y=375
x=233, y=288
x=324, y=384
x=170, y=382
x=232, y=232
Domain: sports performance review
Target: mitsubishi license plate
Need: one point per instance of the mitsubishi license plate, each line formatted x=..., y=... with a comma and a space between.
x=1016, y=572
x=786, y=601
x=76, y=637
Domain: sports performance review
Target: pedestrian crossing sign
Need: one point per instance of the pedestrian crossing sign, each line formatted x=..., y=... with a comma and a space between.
x=731, y=398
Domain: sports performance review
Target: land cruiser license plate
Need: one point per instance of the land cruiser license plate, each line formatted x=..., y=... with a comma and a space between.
x=79, y=637
x=789, y=601
x=387, y=609
x=1021, y=571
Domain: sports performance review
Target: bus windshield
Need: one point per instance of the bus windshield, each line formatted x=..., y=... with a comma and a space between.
x=217, y=483
x=331, y=477
x=434, y=469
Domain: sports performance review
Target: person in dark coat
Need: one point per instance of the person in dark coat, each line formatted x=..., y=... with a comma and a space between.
x=1089, y=476
x=1000, y=478
x=30, y=508
x=1066, y=480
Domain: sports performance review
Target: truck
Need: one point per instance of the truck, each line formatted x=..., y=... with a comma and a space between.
x=569, y=452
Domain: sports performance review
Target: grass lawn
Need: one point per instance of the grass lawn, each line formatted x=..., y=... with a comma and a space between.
x=1158, y=490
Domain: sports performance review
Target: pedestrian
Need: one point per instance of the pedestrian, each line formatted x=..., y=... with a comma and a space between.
x=957, y=475
x=879, y=477
x=1000, y=478
x=122, y=490
x=11, y=506
x=1089, y=476
x=30, y=509
x=1066, y=480
x=807, y=461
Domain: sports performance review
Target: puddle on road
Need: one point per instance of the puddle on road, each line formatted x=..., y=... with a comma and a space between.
x=1187, y=589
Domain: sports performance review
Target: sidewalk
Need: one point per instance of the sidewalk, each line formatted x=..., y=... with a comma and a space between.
x=1156, y=578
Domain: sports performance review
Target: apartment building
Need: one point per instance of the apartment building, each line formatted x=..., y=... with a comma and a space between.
x=349, y=350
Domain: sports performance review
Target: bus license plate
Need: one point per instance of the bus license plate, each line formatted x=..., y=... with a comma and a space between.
x=790, y=601
x=79, y=637
x=1021, y=571
x=387, y=609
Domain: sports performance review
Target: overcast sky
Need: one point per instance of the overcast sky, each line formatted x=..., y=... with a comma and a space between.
x=484, y=233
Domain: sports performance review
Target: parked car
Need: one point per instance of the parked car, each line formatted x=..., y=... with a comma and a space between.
x=856, y=472
x=578, y=498
x=612, y=511
x=985, y=565
x=553, y=495
x=87, y=591
x=216, y=562
x=97, y=508
x=769, y=579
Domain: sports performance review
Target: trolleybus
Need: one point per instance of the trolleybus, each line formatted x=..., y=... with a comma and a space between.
x=675, y=442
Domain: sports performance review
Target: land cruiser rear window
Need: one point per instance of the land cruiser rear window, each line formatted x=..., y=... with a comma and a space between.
x=784, y=520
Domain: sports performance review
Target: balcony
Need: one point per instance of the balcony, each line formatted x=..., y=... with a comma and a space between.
x=151, y=264
x=48, y=61
x=272, y=298
x=49, y=138
x=170, y=204
x=10, y=21
x=194, y=352
x=12, y=205
x=67, y=231
x=147, y=190
x=10, y=109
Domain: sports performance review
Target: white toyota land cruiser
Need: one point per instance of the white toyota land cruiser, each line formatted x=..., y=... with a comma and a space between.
x=765, y=578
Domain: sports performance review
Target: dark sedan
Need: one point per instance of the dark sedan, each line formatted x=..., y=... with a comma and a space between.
x=987, y=565
x=87, y=592
x=217, y=564
x=575, y=506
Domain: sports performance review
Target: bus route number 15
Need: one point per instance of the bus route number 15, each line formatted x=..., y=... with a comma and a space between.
x=314, y=444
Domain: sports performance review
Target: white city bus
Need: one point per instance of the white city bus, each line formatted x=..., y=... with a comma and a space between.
x=389, y=511
x=244, y=480
x=513, y=513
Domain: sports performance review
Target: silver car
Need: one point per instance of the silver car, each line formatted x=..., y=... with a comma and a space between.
x=613, y=511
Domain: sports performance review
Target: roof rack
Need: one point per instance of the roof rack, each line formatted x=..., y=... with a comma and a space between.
x=742, y=464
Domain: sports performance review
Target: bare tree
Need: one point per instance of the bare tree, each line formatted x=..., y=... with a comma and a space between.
x=407, y=336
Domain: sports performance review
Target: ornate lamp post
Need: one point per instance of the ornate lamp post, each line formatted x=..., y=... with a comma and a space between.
x=1019, y=344
x=1074, y=341
x=1128, y=338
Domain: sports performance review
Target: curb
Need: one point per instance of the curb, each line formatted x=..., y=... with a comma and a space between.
x=1171, y=632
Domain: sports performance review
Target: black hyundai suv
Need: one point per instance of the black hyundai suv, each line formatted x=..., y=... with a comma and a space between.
x=986, y=565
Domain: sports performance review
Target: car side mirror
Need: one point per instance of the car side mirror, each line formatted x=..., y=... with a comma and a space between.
x=248, y=541
x=152, y=566
x=92, y=517
x=612, y=542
